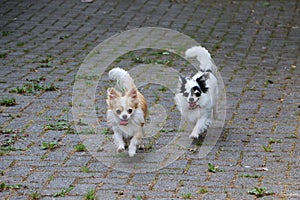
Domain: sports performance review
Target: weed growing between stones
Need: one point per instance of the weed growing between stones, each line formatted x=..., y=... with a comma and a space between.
x=8, y=137
x=85, y=169
x=8, y=101
x=4, y=186
x=260, y=192
x=90, y=195
x=80, y=147
x=187, y=196
x=202, y=191
x=58, y=125
x=49, y=145
x=34, y=195
x=214, y=169
x=250, y=176
x=31, y=88
x=63, y=192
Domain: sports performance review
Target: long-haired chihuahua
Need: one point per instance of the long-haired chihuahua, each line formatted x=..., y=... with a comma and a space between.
x=126, y=113
x=197, y=96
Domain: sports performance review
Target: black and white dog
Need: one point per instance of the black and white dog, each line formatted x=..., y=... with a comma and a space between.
x=197, y=96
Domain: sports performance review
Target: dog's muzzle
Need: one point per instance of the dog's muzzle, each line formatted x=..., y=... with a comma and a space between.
x=192, y=105
x=124, y=122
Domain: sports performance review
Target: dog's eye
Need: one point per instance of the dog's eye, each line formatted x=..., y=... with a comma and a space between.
x=118, y=111
x=197, y=94
x=129, y=110
x=186, y=94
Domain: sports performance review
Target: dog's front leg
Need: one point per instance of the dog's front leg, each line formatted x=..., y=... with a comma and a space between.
x=134, y=142
x=195, y=133
x=202, y=124
x=118, y=139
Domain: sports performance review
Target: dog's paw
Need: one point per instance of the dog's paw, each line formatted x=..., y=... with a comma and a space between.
x=120, y=149
x=194, y=135
x=203, y=129
x=141, y=146
x=131, y=153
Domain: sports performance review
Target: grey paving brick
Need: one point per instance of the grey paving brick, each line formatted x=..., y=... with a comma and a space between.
x=165, y=184
x=61, y=182
x=39, y=177
x=98, y=167
x=77, y=160
x=63, y=198
x=215, y=196
x=82, y=189
x=19, y=171
x=5, y=163
x=106, y=194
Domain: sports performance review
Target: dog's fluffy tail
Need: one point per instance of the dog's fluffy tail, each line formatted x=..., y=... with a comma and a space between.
x=203, y=56
x=123, y=79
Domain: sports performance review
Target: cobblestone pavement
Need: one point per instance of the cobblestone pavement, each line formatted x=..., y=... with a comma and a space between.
x=255, y=45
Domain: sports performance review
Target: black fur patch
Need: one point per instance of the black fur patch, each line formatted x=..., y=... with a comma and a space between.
x=202, y=82
x=194, y=89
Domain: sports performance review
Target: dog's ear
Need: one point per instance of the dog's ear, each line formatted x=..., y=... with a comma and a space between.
x=132, y=93
x=205, y=76
x=182, y=83
x=112, y=94
x=202, y=82
x=182, y=80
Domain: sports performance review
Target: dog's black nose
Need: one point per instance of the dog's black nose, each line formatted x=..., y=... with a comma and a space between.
x=124, y=116
x=191, y=99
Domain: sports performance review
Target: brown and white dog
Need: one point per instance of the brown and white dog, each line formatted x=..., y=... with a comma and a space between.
x=126, y=113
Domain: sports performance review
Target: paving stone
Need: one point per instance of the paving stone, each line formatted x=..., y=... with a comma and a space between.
x=61, y=182
x=77, y=160
x=165, y=184
x=142, y=179
x=63, y=198
x=106, y=194
x=214, y=196
x=82, y=189
x=39, y=177
x=5, y=164
x=19, y=171
x=98, y=167
x=58, y=156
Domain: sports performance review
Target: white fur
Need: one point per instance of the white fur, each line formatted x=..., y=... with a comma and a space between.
x=199, y=117
x=123, y=79
x=203, y=56
x=133, y=129
x=128, y=131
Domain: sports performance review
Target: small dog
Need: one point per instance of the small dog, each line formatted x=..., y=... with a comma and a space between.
x=126, y=113
x=197, y=96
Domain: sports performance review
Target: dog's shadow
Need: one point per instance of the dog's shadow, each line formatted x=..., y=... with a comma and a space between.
x=150, y=144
